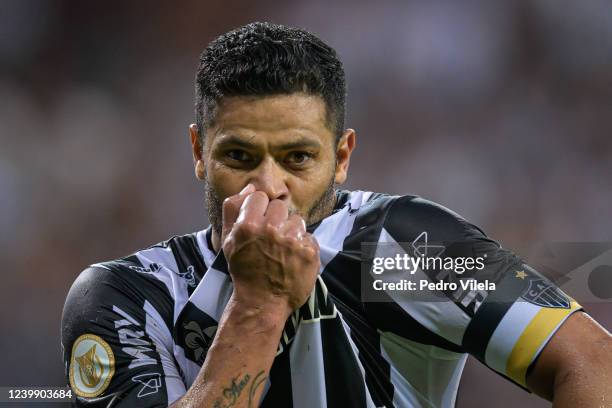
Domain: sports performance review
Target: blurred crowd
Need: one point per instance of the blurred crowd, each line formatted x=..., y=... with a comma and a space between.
x=501, y=111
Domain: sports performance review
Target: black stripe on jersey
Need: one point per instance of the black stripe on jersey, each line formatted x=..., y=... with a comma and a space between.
x=220, y=263
x=194, y=332
x=143, y=285
x=342, y=197
x=389, y=314
x=342, y=273
x=339, y=276
x=120, y=265
x=280, y=393
x=344, y=383
x=187, y=254
x=491, y=312
x=367, y=340
x=343, y=279
x=410, y=216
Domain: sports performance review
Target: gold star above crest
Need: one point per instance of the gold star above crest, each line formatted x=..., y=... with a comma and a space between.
x=520, y=275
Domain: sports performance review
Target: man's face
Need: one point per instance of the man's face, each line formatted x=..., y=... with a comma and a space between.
x=282, y=145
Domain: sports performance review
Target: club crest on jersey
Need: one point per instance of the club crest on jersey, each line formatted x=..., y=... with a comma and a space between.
x=543, y=293
x=92, y=365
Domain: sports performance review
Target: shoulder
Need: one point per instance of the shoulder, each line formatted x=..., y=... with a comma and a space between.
x=411, y=216
x=175, y=264
x=119, y=317
x=405, y=217
x=100, y=293
x=155, y=277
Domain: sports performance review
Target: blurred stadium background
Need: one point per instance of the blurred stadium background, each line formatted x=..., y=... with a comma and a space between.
x=499, y=110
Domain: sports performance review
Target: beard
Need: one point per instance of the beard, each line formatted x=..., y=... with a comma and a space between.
x=319, y=210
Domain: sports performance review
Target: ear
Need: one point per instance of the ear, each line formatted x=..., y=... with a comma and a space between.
x=197, y=151
x=345, y=147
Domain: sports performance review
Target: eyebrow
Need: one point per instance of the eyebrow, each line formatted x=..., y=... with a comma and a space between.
x=245, y=142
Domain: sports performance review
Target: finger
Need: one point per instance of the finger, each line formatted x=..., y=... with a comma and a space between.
x=231, y=206
x=254, y=206
x=277, y=212
x=294, y=227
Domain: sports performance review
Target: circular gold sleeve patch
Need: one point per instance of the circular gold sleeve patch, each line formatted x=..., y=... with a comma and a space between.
x=92, y=365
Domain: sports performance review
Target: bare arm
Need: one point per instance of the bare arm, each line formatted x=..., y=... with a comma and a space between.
x=274, y=263
x=575, y=368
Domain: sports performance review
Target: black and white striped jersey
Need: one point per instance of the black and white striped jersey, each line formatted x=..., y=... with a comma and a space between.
x=135, y=331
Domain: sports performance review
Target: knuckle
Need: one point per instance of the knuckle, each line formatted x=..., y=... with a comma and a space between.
x=229, y=202
x=229, y=244
x=311, y=241
x=246, y=227
x=311, y=252
x=270, y=229
x=312, y=249
x=292, y=241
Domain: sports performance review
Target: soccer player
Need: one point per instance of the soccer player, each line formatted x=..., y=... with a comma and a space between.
x=265, y=306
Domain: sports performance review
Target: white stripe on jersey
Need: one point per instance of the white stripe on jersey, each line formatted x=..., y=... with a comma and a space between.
x=190, y=369
x=434, y=373
x=207, y=253
x=160, y=335
x=212, y=293
x=507, y=334
x=443, y=317
x=306, y=360
x=168, y=274
x=332, y=231
x=405, y=394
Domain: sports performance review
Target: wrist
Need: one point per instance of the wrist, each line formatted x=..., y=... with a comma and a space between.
x=268, y=315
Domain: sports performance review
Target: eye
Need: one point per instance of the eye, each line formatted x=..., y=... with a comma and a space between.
x=239, y=155
x=298, y=158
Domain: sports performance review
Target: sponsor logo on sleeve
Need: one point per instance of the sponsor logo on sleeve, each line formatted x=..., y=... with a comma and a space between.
x=92, y=365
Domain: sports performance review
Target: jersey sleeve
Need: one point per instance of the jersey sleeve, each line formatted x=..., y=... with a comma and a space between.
x=117, y=347
x=501, y=311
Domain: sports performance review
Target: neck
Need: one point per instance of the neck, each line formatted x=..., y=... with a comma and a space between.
x=216, y=236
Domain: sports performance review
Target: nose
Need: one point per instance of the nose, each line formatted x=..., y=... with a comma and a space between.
x=269, y=177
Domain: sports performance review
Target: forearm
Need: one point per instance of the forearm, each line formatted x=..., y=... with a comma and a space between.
x=239, y=360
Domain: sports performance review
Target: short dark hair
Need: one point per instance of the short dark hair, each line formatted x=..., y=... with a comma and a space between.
x=261, y=59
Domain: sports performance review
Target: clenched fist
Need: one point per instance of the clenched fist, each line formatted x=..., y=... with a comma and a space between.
x=272, y=259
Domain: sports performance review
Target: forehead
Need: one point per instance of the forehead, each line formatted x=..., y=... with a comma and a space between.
x=275, y=115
